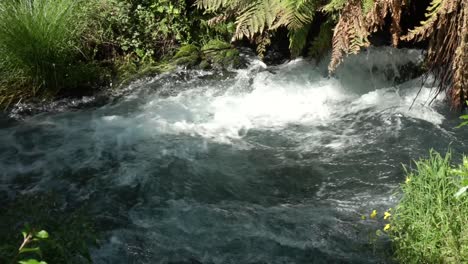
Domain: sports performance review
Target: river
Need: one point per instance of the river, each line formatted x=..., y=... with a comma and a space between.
x=259, y=165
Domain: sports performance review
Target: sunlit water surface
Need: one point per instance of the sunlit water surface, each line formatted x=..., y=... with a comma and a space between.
x=260, y=165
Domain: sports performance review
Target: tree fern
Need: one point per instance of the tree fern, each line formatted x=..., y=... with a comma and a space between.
x=446, y=27
x=356, y=24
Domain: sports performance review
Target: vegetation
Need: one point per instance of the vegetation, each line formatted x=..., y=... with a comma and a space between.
x=51, y=46
x=30, y=247
x=429, y=223
x=54, y=47
x=354, y=21
x=40, y=46
x=71, y=230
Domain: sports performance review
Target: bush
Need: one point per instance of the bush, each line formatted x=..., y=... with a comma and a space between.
x=144, y=29
x=430, y=222
x=39, y=43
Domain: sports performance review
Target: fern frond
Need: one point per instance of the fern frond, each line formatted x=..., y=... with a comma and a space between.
x=334, y=6
x=255, y=17
x=367, y=5
x=350, y=33
x=459, y=89
x=322, y=43
x=262, y=41
x=259, y=16
x=427, y=26
x=299, y=15
x=298, y=40
x=217, y=5
x=446, y=27
x=356, y=24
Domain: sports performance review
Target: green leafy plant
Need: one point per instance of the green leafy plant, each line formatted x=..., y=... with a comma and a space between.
x=144, y=30
x=71, y=226
x=31, y=246
x=429, y=223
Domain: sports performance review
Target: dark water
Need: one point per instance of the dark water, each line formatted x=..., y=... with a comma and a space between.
x=256, y=166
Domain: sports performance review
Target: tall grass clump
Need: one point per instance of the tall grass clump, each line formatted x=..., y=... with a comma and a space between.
x=430, y=223
x=39, y=43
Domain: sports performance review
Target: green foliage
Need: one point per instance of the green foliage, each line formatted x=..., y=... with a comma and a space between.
x=465, y=122
x=31, y=246
x=220, y=54
x=255, y=18
x=302, y=13
x=464, y=118
x=188, y=55
x=71, y=230
x=367, y=5
x=429, y=223
x=322, y=44
x=145, y=30
x=334, y=6
x=39, y=43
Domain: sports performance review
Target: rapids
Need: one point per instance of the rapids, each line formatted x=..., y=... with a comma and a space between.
x=259, y=165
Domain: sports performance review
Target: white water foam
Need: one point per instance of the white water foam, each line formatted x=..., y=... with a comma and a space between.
x=291, y=94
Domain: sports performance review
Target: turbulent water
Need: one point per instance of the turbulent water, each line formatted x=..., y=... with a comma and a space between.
x=260, y=165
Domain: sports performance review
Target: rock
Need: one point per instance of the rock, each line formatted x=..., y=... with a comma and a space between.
x=187, y=56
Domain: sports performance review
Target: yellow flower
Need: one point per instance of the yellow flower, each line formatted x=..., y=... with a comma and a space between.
x=373, y=214
x=387, y=227
x=387, y=215
x=408, y=180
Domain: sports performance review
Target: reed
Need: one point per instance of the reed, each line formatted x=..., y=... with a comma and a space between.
x=39, y=43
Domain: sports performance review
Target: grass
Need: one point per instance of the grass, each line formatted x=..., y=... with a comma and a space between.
x=39, y=44
x=430, y=223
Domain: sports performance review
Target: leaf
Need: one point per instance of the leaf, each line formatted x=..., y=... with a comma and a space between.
x=461, y=191
x=30, y=250
x=42, y=234
x=462, y=124
x=31, y=261
x=140, y=53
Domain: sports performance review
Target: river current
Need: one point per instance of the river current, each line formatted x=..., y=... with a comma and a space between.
x=259, y=165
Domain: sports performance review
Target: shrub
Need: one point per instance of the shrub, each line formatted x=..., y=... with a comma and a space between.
x=430, y=222
x=39, y=43
x=145, y=29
